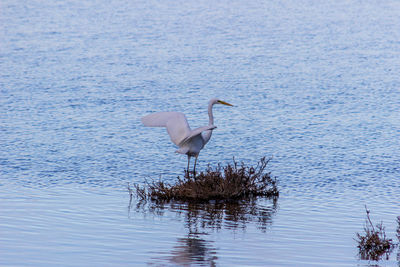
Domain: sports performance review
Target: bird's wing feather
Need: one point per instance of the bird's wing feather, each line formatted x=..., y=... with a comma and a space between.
x=160, y=119
x=175, y=122
x=196, y=132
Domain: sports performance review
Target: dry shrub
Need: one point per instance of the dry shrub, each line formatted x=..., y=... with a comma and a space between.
x=231, y=182
x=398, y=228
x=374, y=244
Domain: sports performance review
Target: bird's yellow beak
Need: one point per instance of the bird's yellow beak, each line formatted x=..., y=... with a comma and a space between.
x=224, y=103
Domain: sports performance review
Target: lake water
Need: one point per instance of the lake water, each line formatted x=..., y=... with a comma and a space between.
x=315, y=85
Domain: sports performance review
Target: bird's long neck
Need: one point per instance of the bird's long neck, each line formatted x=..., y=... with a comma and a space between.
x=210, y=114
x=207, y=134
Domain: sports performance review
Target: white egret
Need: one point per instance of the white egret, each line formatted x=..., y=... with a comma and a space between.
x=190, y=142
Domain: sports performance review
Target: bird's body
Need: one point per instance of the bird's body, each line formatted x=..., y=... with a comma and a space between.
x=189, y=141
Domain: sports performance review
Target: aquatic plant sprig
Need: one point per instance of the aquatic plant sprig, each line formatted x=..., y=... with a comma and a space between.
x=223, y=183
x=374, y=243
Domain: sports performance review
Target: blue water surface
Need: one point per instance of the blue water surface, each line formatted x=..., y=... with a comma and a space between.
x=315, y=85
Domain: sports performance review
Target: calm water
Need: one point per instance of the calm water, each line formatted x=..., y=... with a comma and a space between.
x=315, y=85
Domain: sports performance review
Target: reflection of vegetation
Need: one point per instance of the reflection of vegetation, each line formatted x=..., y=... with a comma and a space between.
x=229, y=215
x=374, y=244
x=231, y=182
x=217, y=215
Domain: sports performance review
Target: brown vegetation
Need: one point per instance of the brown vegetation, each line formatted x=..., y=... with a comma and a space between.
x=374, y=244
x=398, y=228
x=231, y=182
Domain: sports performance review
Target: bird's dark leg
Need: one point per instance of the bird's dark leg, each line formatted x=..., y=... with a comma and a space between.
x=187, y=170
x=194, y=168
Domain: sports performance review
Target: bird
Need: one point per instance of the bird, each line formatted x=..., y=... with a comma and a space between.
x=189, y=141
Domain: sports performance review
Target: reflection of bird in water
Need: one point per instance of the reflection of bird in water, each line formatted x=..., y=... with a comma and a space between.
x=193, y=250
x=190, y=142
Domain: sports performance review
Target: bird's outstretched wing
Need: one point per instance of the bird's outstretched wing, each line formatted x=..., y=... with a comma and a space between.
x=196, y=132
x=175, y=122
